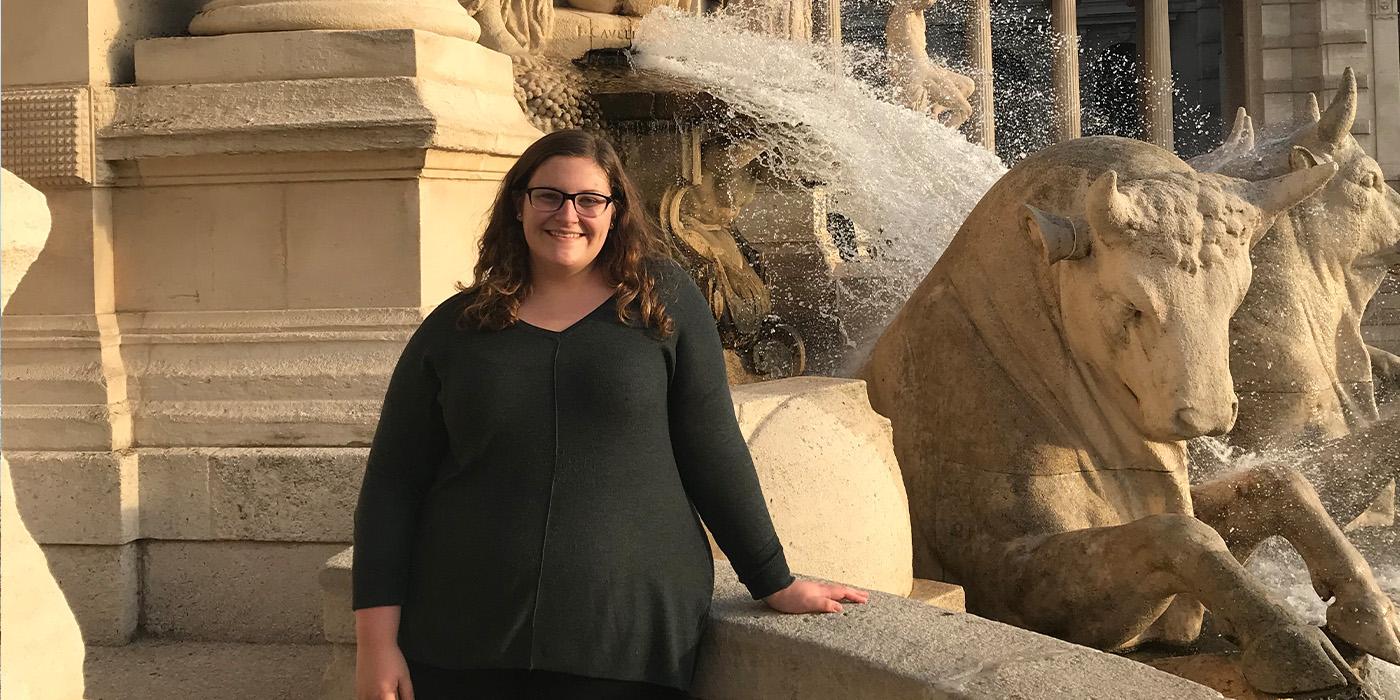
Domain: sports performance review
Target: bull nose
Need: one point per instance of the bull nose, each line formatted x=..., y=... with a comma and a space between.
x=1192, y=423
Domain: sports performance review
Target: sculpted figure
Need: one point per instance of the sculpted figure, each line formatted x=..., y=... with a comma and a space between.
x=919, y=82
x=1041, y=382
x=1301, y=368
x=700, y=217
x=514, y=27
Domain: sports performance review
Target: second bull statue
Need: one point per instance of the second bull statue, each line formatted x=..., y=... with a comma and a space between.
x=1041, y=382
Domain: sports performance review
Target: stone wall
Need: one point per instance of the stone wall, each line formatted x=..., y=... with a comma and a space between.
x=240, y=249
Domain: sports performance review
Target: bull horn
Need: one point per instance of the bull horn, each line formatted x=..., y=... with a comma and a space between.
x=1106, y=208
x=1062, y=239
x=1334, y=125
x=1241, y=136
x=1313, y=113
x=1277, y=195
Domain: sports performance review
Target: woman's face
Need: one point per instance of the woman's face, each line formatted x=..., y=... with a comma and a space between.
x=564, y=239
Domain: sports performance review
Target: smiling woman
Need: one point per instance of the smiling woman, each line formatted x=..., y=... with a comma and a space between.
x=530, y=519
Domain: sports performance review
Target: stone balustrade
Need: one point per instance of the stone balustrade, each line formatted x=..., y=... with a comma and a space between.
x=891, y=648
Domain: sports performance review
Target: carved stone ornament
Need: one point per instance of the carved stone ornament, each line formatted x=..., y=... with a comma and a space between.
x=47, y=135
x=1382, y=9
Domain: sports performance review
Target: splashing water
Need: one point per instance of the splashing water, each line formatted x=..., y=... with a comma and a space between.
x=898, y=174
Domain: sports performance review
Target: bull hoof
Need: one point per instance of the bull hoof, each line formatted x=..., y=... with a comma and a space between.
x=1291, y=659
x=1370, y=624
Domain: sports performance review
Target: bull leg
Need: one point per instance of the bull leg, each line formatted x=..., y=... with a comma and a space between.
x=1248, y=507
x=1103, y=586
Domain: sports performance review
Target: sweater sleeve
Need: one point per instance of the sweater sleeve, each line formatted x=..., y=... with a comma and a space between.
x=715, y=465
x=409, y=442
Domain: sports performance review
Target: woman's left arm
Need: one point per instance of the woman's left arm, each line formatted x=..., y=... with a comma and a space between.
x=717, y=469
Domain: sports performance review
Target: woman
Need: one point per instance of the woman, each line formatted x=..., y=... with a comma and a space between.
x=525, y=526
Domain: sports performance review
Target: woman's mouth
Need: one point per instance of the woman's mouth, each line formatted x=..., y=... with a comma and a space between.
x=567, y=235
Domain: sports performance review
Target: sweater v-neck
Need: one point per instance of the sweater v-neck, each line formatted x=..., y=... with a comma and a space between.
x=532, y=327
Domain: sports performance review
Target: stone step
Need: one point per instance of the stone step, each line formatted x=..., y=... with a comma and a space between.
x=157, y=668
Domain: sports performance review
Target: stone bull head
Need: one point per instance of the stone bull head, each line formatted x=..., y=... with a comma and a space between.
x=1149, y=279
x=1300, y=365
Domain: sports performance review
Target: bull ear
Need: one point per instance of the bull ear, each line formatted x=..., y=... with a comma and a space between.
x=1312, y=111
x=1300, y=158
x=1334, y=125
x=1062, y=239
x=1105, y=207
x=1277, y=195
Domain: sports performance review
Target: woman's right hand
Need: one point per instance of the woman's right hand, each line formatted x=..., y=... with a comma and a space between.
x=381, y=673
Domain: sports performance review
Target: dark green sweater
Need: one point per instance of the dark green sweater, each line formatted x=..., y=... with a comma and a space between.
x=531, y=496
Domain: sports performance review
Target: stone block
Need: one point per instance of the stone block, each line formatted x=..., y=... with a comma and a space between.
x=826, y=463
x=576, y=32
x=448, y=254
x=337, y=618
x=1278, y=64
x=939, y=594
x=338, y=680
x=307, y=55
x=174, y=488
x=1276, y=20
x=234, y=591
x=299, y=495
x=77, y=497
x=354, y=230
x=573, y=33
x=250, y=494
x=102, y=586
x=206, y=247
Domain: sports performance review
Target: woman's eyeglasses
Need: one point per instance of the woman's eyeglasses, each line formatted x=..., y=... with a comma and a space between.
x=548, y=199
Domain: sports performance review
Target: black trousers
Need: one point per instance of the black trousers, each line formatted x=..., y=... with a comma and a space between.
x=433, y=683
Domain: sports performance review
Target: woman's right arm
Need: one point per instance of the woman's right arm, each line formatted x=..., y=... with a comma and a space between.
x=410, y=441
x=381, y=673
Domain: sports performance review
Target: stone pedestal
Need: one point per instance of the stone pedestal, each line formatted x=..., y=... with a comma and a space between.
x=278, y=211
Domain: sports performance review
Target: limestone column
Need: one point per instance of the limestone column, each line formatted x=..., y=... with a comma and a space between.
x=1233, y=83
x=1065, y=69
x=446, y=17
x=833, y=32
x=1156, y=60
x=982, y=127
x=1385, y=62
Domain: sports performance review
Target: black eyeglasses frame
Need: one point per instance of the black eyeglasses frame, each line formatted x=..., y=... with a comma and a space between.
x=569, y=197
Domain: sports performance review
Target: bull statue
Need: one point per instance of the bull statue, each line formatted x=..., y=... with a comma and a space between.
x=1301, y=368
x=1041, y=382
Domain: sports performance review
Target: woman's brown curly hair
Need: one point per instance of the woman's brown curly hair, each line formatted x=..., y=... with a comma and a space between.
x=502, y=273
